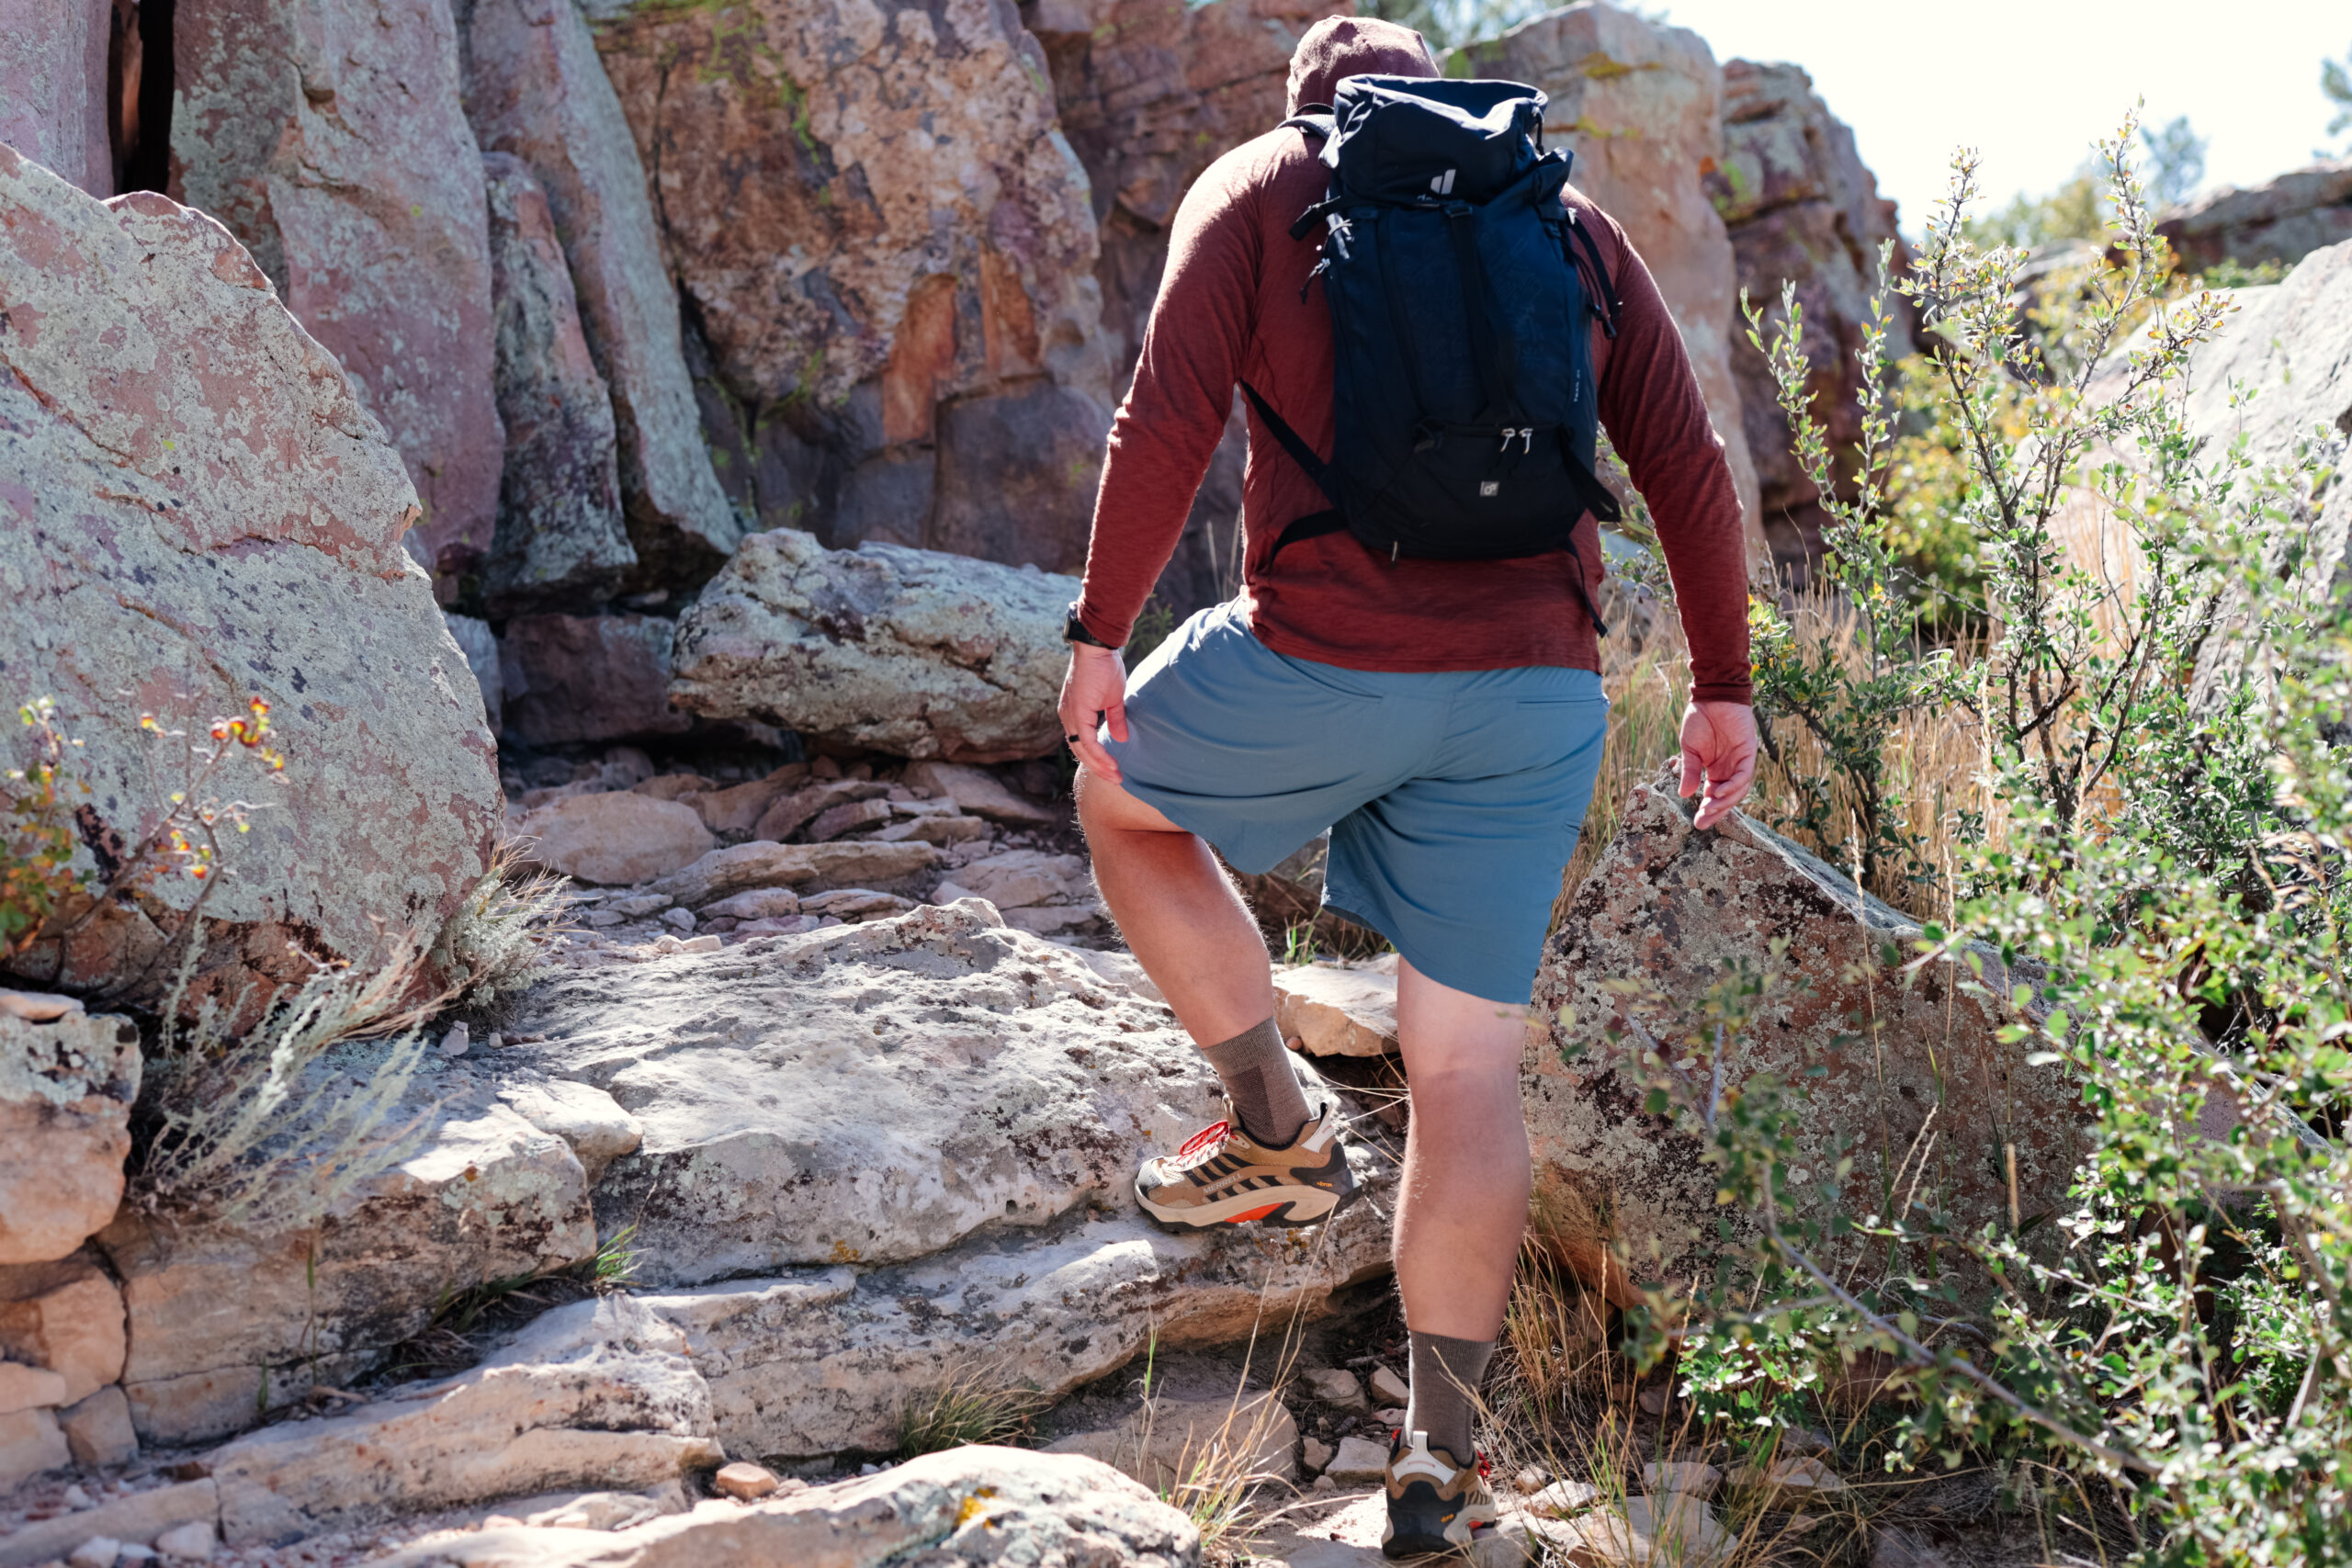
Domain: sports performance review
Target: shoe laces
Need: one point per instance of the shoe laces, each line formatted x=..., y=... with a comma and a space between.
x=1203, y=1146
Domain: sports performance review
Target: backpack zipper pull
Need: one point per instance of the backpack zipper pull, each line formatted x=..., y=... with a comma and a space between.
x=1395, y=546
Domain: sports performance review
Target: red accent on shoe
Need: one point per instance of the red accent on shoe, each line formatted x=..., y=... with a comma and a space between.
x=1216, y=1131
x=1253, y=1214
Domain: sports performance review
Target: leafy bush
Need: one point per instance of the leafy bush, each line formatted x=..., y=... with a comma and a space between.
x=2159, y=835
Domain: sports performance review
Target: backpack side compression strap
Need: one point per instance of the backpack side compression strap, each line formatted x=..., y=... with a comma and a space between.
x=1314, y=524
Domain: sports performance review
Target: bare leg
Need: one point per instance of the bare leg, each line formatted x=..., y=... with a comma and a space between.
x=1185, y=923
x=1464, y=1206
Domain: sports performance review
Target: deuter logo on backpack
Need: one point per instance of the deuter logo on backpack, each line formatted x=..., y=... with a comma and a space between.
x=1462, y=293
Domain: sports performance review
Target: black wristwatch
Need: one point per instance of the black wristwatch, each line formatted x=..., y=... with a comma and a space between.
x=1074, y=630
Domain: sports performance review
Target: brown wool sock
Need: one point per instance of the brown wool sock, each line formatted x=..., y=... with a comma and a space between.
x=1255, y=1067
x=1446, y=1375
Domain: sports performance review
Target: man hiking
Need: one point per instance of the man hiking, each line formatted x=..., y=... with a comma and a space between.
x=1435, y=702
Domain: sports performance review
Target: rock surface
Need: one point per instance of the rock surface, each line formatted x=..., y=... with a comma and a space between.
x=2285, y=220
x=617, y=839
x=1337, y=1012
x=978, y=793
x=561, y=539
x=225, y=1327
x=880, y=649
x=327, y=136
x=200, y=511
x=571, y=677
x=53, y=87
x=1801, y=207
x=600, y=1393
x=872, y=1093
x=141, y=1518
x=1641, y=105
x=742, y=867
x=964, y=1508
x=536, y=88
x=98, y=1430
x=66, y=1316
x=1620, y=1189
x=30, y=1442
x=887, y=242
x=479, y=644
x=66, y=1089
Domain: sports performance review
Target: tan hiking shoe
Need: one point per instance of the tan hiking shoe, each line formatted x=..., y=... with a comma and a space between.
x=1224, y=1177
x=1434, y=1504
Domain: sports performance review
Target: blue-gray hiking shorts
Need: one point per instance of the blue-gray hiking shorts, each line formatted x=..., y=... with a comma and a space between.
x=1453, y=799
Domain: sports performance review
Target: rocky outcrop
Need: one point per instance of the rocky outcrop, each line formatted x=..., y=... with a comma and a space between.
x=66, y=1089
x=53, y=87
x=559, y=538
x=65, y=1316
x=1911, y=1069
x=1335, y=1012
x=226, y=1326
x=2306, y=210
x=601, y=1394
x=534, y=89
x=199, y=511
x=963, y=1508
x=884, y=240
x=881, y=649
x=615, y=840
x=327, y=136
x=1641, y=106
x=1801, y=207
x=568, y=678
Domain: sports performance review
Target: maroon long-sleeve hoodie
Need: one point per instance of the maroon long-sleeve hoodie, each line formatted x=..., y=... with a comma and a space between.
x=1235, y=305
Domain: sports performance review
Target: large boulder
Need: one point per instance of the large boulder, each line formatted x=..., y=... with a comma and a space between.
x=53, y=87
x=199, y=511
x=1913, y=1071
x=1641, y=105
x=2285, y=220
x=327, y=135
x=875, y=220
x=66, y=1089
x=865, y=1094
x=534, y=88
x=880, y=649
x=961, y=1509
x=226, y=1326
x=1801, y=207
x=559, y=538
x=597, y=1394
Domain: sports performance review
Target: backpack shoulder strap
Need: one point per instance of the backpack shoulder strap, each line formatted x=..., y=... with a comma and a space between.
x=1603, y=289
x=1315, y=523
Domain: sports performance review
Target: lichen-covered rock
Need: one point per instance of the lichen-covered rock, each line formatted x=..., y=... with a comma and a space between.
x=327, y=135
x=226, y=1326
x=1640, y=104
x=2285, y=220
x=880, y=649
x=53, y=87
x=600, y=1393
x=1801, y=207
x=197, y=510
x=1670, y=910
x=965, y=1507
x=870, y=1093
x=66, y=1089
x=588, y=678
x=560, y=536
x=534, y=88
x=876, y=219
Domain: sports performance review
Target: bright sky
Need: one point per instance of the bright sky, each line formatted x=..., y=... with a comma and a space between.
x=2030, y=83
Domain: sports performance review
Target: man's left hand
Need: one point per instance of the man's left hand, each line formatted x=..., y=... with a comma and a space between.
x=1718, y=750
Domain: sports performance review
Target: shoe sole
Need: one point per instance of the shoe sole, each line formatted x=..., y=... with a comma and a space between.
x=1423, y=1536
x=1293, y=1208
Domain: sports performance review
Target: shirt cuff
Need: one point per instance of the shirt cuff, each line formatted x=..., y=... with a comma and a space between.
x=1102, y=627
x=1724, y=691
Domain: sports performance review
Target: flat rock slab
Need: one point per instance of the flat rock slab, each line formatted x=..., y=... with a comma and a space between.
x=135, y=1520
x=957, y=1510
x=1332, y=1011
x=865, y=1094
x=600, y=1393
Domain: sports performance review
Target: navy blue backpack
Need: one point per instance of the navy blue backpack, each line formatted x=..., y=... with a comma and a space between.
x=1460, y=289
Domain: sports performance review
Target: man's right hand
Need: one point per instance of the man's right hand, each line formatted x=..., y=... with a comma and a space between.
x=1094, y=692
